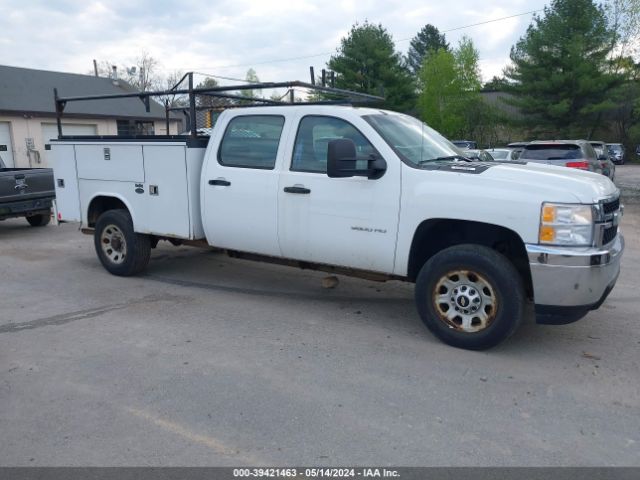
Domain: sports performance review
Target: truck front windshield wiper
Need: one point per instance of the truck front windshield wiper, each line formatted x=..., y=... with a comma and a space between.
x=444, y=159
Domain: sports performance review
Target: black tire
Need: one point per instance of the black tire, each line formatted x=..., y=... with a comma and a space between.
x=481, y=270
x=125, y=252
x=39, y=220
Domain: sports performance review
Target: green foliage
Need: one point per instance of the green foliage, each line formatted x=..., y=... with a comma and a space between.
x=439, y=92
x=450, y=83
x=427, y=41
x=560, y=77
x=623, y=17
x=251, y=77
x=624, y=116
x=467, y=57
x=496, y=83
x=367, y=62
x=203, y=100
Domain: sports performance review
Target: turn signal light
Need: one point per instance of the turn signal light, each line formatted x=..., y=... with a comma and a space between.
x=549, y=214
x=547, y=234
x=580, y=165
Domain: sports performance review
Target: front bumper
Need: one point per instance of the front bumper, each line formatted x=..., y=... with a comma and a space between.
x=568, y=282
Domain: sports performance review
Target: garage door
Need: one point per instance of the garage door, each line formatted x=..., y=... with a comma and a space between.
x=6, y=148
x=50, y=130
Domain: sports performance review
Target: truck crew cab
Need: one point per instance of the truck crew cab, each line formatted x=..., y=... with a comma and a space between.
x=359, y=191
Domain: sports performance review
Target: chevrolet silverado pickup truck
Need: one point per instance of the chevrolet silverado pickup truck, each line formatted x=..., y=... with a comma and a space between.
x=357, y=191
x=26, y=192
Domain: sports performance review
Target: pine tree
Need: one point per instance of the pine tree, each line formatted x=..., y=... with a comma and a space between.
x=367, y=62
x=428, y=40
x=559, y=75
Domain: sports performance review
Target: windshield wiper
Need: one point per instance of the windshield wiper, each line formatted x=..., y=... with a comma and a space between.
x=443, y=159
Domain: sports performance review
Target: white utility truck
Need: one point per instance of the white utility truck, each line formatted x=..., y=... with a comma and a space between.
x=356, y=191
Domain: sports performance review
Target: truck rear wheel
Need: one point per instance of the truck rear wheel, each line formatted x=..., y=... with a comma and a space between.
x=39, y=220
x=470, y=296
x=121, y=250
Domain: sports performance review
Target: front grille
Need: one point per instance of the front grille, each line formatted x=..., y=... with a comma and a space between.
x=611, y=206
x=609, y=234
x=607, y=226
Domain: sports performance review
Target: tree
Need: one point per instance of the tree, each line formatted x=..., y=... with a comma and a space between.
x=439, y=91
x=367, y=62
x=427, y=41
x=624, y=117
x=467, y=58
x=168, y=83
x=449, y=84
x=145, y=77
x=251, y=77
x=142, y=75
x=560, y=77
x=496, y=83
x=623, y=17
x=204, y=100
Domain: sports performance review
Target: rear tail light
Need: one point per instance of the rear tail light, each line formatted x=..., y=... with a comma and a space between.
x=580, y=165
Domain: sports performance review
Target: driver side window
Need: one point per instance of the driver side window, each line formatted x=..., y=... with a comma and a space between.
x=312, y=140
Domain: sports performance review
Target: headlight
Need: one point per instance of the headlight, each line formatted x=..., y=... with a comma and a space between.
x=564, y=224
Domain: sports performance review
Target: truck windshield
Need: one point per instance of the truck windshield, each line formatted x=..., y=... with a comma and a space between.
x=413, y=141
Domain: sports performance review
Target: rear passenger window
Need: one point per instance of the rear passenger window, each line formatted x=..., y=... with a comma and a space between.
x=312, y=143
x=552, y=152
x=251, y=141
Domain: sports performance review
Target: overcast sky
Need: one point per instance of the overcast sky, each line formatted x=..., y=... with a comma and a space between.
x=227, y=37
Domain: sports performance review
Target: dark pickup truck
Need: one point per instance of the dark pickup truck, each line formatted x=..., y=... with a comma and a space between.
x=26, y=192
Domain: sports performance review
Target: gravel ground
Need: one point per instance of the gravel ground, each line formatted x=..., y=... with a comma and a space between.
x=208, y=360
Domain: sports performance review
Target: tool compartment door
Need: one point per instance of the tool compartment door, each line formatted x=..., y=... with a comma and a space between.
x=66, y=182
x=166, y=207
x=116, y=162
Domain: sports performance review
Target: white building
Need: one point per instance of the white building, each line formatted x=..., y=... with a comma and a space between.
x=28, y=119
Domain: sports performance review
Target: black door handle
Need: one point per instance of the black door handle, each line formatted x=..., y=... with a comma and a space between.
x=297, y=190
x=222, y=183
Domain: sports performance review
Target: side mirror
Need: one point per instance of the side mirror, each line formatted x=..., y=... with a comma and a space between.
x=602, y=157
x=342, y=158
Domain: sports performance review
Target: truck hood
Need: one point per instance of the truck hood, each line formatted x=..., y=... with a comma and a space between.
x=562, y=183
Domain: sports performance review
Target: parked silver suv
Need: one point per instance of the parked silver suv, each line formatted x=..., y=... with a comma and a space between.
x=566, y=153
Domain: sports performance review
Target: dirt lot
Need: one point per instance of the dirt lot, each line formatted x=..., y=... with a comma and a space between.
x=628, y=180
x=208, y=360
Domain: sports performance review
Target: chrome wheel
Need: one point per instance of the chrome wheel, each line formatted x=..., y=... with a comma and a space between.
x=465, y=301
x=113, y=243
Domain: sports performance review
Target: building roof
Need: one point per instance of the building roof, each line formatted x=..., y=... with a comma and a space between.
x=24, y=90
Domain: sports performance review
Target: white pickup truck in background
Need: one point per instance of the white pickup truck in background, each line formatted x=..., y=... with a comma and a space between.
x=357, y=191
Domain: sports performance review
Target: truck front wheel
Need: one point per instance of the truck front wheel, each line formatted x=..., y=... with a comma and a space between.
x=121, y=250
x=470, y=296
